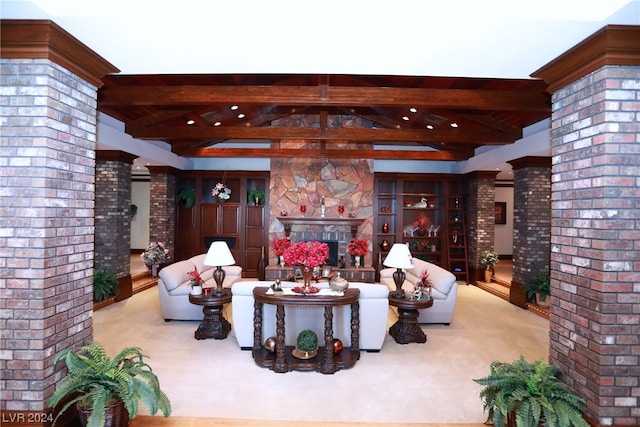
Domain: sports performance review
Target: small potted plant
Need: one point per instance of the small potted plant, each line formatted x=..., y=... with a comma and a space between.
x=488, y=260
x=539, y=287
x=256, y=196
x=187, y=196
x=358, y=248
x=279, y=247
x=528, y=395
x=105, y=285
x=306, y=345
x=108, y=391
x=196, y=281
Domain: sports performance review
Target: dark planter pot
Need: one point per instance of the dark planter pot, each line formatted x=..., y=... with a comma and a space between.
x=115, y=415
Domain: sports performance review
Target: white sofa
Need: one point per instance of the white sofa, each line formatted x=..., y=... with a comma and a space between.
x=444, y=289
x=374, y=315
x=174, y=287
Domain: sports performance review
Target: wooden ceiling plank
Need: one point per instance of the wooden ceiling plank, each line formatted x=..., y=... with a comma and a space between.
x=346, y=134
x=329, y=153
x=342, y=96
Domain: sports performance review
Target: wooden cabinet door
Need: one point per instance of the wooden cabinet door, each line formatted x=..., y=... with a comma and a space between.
x=254, y=239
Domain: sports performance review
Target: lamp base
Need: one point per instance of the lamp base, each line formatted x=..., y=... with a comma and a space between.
x=218, y=276
x=398, y=279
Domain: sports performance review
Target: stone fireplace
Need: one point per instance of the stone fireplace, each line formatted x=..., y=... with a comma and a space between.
x=304, y=181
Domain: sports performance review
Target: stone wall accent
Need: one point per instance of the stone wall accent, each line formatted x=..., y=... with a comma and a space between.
x=347, y=182
x=112, y=212
x=162, y=209
x=480, y=213
x=46, y=225
x=595, y=268
x=531, y=223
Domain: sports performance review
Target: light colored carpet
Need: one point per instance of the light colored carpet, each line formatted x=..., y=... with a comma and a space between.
x=413, y=383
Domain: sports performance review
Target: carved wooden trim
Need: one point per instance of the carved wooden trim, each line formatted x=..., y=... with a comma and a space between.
x=352, y=223
x=32, y=38
x=612, y=45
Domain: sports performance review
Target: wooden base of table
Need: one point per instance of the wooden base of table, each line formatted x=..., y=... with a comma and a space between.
x=407, y=329
x=214, y=325
x=325, y=362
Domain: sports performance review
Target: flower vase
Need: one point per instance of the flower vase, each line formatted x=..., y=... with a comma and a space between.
x=196, y=290
x=488, y=274
x=281, y=260
x=307, y=274
x=357, y=261
x=154, y=270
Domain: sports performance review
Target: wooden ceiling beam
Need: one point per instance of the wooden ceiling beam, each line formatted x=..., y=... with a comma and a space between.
x=344, y=134
x=326, y=96
x=329, y=153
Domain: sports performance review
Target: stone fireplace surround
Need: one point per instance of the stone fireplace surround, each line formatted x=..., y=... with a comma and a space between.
x=346, y=182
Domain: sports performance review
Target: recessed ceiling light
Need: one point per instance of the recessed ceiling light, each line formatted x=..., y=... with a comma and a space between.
x=454, y=125
x=217, y=123
x=405, y=118
x=234, y=107
x=413, y=110
x=241, y=116
x=190, y=122
x=430, y=127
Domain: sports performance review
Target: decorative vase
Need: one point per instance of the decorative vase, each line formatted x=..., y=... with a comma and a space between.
x=338, y=284
x=281, y=260
x=385, y=245
x=357, y=261
x=307, y=274
x=196, y=290
x=488, y=274
x=154, y=270
x=385, y=227
x=115, y=414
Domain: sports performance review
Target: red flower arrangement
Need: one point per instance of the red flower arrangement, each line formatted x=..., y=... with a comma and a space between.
x=196, y=279
x=359, y=247
x=308, y=254
x=425, y=282
x=281, y=245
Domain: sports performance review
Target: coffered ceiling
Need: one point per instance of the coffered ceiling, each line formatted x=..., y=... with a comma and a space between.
x=434, y=118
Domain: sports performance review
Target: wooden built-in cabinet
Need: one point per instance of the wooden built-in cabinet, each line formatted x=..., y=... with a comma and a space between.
x=414, y=209
x=238, y=221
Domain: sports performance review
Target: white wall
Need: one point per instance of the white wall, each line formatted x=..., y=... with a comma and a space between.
x=140, y=196
x=503, y=240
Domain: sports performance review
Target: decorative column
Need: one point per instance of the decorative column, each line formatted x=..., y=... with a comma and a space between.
x=49, y=94
x=113, y=217
x=162, y=209
x=531, y=223
x=595, y=234
x=480, y=205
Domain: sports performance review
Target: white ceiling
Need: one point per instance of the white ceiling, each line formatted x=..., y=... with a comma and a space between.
x=459, y=38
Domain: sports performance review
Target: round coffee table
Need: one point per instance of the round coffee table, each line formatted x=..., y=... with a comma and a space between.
x=407, y=329
x=214, y=325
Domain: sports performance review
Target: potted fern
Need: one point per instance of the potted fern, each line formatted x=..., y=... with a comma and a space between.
x=187, y=196
x=107, y=391
x=105, y=286
x=528, y=395
x=539, y=287
x=256, y=196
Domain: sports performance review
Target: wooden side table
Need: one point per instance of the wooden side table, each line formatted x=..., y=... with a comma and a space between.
x=325, y=361
x=214, y=325
x=407, y=329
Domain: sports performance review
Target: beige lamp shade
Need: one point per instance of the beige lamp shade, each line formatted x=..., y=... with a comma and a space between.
x=399, y=256
x=219, y=255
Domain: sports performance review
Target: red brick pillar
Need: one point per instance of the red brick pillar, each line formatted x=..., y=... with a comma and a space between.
x=481, y=197
x=162, y=209
x=531, y=223
x=46, y=220
x=113, y=217
x=595, y=241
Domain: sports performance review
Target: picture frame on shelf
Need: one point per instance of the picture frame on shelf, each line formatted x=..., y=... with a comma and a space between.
x=297, y=273
x=326, y=271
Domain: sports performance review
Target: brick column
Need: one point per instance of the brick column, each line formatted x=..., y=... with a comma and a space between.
x=113, y=217
x=595, y=241
x=46, y=219
x=162, y=209
x=480, y=204
x=531, y=223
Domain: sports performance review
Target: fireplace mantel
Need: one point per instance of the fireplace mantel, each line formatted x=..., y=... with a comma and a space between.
x=353, y=223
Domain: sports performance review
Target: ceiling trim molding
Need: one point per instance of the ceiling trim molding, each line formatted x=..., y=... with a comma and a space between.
x=530, y=162
x=116, y=156
x=611, y=45
x=44, y=39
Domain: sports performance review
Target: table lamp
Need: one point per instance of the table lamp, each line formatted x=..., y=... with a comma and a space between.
x=399, y=257
x=219, y=255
